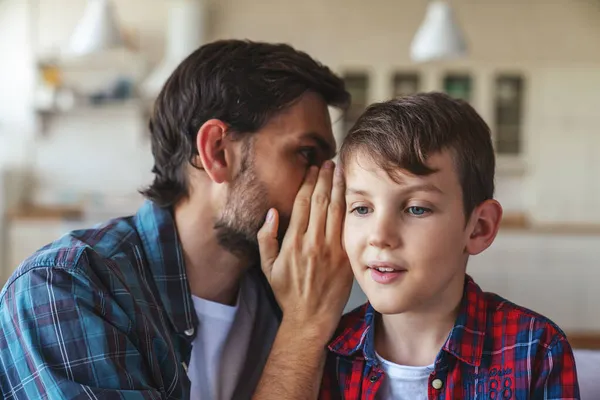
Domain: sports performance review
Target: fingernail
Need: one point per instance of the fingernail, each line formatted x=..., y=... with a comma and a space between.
x=270, y=215
x=328, y=164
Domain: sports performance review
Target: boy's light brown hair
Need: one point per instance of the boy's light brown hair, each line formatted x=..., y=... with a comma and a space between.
x=402, y=133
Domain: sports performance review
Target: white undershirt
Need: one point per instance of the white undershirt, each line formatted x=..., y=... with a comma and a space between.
x=218, y=351
x=403, y=382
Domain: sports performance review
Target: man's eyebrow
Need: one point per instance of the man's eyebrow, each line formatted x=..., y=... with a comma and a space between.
x=325, y=146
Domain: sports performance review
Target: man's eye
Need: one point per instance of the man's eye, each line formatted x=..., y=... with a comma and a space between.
x=309, y=154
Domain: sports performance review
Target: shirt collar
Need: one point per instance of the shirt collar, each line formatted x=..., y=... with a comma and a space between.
x=163, y=253
x=465, y=341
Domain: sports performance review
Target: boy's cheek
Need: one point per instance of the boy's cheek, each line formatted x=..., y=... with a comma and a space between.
x=346, y=235
x=354, y=254
x=349, y=241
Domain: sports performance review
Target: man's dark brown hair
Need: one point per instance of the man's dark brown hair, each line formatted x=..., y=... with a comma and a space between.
x=241, y=83
x=403, y=132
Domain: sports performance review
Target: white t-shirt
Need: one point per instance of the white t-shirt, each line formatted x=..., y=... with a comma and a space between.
x=403, y=382
x=218, y=351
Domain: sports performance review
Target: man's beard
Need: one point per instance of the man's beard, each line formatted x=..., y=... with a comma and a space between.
x=244, y=214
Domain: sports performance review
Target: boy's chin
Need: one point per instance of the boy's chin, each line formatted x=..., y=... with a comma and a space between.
x=388, y=306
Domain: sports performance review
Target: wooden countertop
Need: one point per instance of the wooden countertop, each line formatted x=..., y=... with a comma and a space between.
x=518, y=222
x=584, y=340
x=59, y=213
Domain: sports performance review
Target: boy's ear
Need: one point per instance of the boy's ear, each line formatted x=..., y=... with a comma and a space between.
x=483, y=226
x=214, y=151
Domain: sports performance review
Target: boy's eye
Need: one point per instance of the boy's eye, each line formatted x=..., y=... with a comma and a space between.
x=417, y=211
x=361, y=210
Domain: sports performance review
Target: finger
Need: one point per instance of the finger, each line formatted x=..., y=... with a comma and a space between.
x=337, y=209
x=268, y=245
x=320, y=203
x=301, y=208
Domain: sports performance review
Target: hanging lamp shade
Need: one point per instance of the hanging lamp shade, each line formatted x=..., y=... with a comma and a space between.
x=97, y=30
x=439, y=37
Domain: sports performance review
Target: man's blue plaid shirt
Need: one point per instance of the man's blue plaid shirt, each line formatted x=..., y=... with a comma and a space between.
x=106, y=313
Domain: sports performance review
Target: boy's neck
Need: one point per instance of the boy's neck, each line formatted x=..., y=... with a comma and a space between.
x=414, y=338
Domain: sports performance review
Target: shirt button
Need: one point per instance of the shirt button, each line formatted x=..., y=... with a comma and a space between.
x=437, y=384
x=373, y=378
x=189, y=332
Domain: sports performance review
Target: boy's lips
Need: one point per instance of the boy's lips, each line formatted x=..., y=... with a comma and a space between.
x=383, y=266
x=385, y=272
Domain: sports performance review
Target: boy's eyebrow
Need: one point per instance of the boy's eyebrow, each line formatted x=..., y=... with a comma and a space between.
x=424, y=187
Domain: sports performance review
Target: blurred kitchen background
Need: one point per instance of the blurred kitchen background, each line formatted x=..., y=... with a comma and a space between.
x=77, y=78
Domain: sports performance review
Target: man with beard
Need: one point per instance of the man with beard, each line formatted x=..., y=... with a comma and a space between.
x=171, y=303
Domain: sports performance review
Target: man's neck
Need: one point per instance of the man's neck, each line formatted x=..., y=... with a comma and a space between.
x=414, y=338
x=213, y=273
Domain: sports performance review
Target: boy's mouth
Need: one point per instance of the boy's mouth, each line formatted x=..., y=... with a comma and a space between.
x=385, y=273
x=385, y=267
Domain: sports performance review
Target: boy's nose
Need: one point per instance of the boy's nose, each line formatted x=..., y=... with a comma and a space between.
x=384, y=233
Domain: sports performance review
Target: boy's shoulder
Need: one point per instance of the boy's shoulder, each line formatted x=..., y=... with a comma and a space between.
x=492, y=328
x=516, y=320
x=498, y=305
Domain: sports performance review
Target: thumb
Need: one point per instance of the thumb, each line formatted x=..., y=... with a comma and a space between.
x=268, y=245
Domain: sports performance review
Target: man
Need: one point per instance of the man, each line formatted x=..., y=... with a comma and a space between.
x=171, y=303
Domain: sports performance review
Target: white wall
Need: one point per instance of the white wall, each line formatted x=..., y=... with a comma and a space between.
x=565, y=144
x=16, y=82
x=99, y=152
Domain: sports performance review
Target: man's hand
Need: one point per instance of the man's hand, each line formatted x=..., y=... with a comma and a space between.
x=311, y=278
x=311, y=275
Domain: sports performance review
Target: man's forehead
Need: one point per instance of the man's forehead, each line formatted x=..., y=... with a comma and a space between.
x=306, y=119
x=305, y=129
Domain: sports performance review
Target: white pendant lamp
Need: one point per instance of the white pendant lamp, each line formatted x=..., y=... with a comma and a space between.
x=97, y=30
x=185, y=33
x=439, y=36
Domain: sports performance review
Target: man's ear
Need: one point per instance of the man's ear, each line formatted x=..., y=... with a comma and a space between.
x=483, y=226
x=214, y=150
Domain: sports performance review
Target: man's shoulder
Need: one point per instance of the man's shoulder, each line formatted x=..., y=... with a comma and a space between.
x=83, y=251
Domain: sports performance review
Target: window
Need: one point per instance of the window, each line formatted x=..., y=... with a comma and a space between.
x=358, y=86
x=458, y=86
x=508, y=110
x=405, y=84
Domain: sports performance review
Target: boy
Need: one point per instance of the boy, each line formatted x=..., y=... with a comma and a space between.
x=419, y=176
